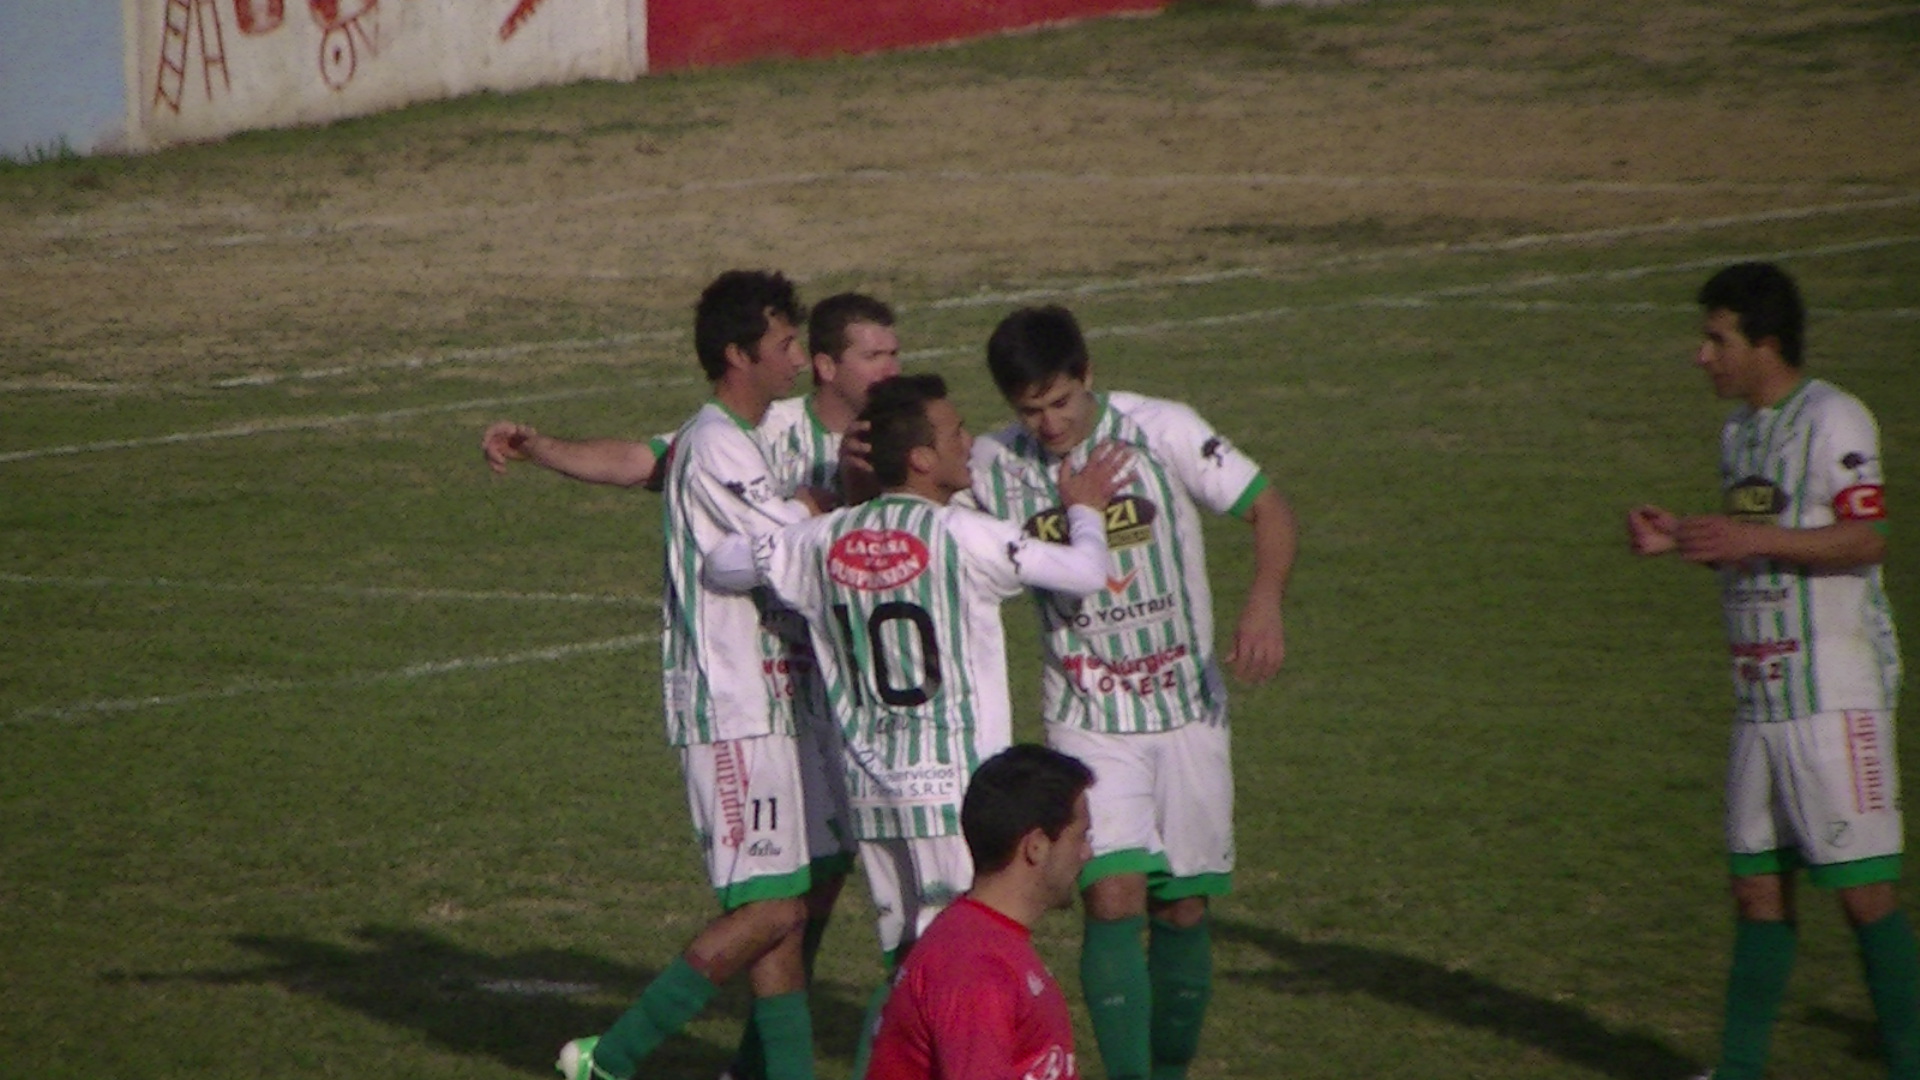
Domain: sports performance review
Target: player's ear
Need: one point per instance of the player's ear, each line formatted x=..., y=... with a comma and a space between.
x=922, y=459
x=738, y=357
x=1033, y=847
x=823, y=367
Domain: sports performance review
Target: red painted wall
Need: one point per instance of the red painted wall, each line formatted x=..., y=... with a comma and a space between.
x=702, y=33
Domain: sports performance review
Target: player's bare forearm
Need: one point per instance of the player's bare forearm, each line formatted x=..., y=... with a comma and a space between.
x=620, y=462
x=1714, y=539
x=1260, y=644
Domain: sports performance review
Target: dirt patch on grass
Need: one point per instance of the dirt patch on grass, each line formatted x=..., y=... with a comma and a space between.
x=1209, y=138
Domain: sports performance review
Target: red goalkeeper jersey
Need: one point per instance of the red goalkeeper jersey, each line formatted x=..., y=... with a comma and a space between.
x=974, y=1002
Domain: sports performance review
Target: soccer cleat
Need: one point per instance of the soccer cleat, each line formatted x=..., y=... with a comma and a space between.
x=576, y=1061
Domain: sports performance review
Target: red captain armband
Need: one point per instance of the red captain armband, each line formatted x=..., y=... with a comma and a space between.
x=1861, y=502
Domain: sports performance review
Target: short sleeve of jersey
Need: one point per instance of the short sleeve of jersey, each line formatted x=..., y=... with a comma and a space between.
x=992, y=549
x=1845, y=471
x=1215, y=472
x=728, y=476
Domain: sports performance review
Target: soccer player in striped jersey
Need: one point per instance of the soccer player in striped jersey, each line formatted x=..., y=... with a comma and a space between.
x=1798, y=544
x=853, y=345
x=903, y=594
x=1132, y=684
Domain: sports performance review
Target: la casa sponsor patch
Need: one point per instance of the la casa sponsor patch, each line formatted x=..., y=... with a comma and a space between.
x=874, y=560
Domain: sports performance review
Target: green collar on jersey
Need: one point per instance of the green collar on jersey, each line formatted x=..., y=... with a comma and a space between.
x=734, y=416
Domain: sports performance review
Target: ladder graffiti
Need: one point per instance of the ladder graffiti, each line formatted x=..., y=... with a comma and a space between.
x=183, y=21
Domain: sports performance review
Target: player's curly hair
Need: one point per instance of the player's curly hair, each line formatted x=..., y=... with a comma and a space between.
x=736, y=309
x=1022, y=788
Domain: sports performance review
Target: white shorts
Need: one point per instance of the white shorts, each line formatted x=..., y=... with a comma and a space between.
x=912, y=880
x=1819, y=791
x=1162, y=806
x=749, y=809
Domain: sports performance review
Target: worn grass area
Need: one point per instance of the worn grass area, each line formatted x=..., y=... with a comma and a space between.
x=323, y=753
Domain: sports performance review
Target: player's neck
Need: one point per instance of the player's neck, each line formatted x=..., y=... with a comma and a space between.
x=834, y=412
x=923, y=486
x=742, y=399
x=1009, y=895
x=1776, y=386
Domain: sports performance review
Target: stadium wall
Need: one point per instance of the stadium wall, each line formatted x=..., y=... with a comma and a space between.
x=105, y=75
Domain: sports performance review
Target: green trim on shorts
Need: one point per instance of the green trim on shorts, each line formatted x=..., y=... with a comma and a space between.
x=1845, y=875
x=839, y=864
x=773, y=887
x=1168, y=887
x=1127, y=861
x=1840, y=875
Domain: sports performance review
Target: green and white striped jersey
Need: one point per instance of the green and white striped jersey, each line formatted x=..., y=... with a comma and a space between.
x=803, y=452
x=1138, y=655
x=733, y=665
x=903, y=596
x=1806, y=641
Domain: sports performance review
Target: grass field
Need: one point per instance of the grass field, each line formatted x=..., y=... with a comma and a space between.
x=325, y=754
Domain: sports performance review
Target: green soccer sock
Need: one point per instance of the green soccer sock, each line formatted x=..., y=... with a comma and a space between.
x=786, y=1031
x=1180, y=965
x=668, y=1003
x=1892, y=962
x=1113, y=976
x=1757, y=981
x=750, y=1058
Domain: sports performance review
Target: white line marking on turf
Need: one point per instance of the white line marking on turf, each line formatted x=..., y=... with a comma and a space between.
x=1531, y=281
x=409, y=673
x=318, y=423
x=356, y=591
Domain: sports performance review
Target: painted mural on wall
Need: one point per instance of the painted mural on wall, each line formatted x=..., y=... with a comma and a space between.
x=218, y=66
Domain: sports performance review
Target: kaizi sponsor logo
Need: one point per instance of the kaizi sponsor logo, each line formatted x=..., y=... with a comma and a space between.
x=1129, y=522
x=874, y=560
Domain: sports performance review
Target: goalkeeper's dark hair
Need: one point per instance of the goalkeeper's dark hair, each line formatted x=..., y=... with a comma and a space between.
x=827, y=325
x=1022, y=788
x=896, y=417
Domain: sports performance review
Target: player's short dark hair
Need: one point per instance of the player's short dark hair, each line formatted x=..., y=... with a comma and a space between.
x=827, y=325
x=1022, y=788
x=1766, y=301
x=1033, y=346
x=896, y=417
x=734, y=310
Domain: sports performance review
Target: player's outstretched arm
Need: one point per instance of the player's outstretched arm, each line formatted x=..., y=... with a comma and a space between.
x=1713, y=540
x=621, y=462
x=1650, y=530
x=1260, y=638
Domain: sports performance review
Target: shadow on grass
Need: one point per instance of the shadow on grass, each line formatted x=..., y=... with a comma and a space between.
x=1456, y=997
x=517, y=1008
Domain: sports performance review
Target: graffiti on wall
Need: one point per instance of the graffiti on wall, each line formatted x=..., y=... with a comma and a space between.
x=193, y=40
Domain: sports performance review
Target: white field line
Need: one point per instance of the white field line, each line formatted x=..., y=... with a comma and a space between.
x=368, y=592
x=307, y=231
x=1092, y=288
x=277, y=425
x=1480, y=247
x=1406, y=300
x=410, y=673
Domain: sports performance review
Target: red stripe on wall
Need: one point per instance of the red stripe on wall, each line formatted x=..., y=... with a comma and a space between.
x=703, y=33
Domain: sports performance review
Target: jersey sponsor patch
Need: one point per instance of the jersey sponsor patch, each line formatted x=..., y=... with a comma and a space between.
x=1755, y=498
x=1130, y=521
x=1053, y=1063
x=1861, y=502
x=1214, y=451
x=757, y=490
x=873, y=560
